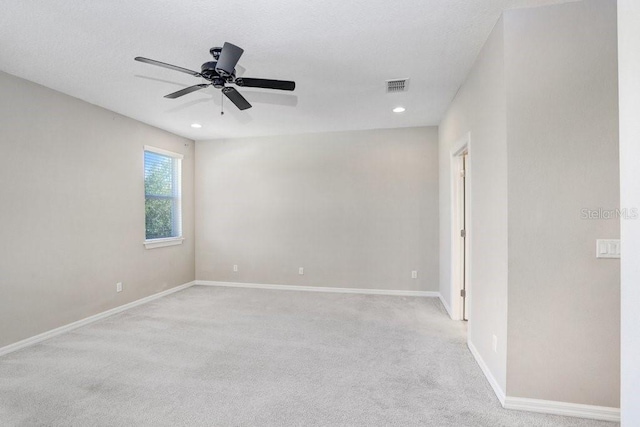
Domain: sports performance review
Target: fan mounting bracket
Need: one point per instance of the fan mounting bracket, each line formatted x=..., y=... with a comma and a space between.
x=215, y=52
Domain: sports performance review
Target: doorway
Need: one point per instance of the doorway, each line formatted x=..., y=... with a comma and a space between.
x=463, y=234
x=460, y=230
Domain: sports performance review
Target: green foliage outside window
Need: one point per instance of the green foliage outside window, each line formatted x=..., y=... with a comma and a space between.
x=161, y=196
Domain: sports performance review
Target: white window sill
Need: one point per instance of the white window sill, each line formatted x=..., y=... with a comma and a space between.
x=161, y=243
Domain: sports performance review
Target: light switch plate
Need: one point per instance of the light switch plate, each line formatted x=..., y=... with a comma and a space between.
x=608, y=248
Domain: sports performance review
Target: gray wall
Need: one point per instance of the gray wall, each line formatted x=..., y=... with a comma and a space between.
x=480, y=109
x=562, y=108
x=629, y=62
x=73, y=211
x=355, y=209
x=541, y=107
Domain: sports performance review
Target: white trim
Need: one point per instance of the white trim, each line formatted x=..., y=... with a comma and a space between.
x=87, y=320
x=446, y=306
x=163, y=152
x=461, y=145
x=430, y=294
x=487, y=373
x=563, y=408
x=161, y=243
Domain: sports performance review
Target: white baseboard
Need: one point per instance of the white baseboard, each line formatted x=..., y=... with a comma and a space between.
x=562, y=408
x=544, y=406
x=75, y=325
x=431, y=294
x=446, y=306
x=487, y=373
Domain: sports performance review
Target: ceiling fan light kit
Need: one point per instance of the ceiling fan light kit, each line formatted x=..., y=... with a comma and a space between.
x=220, y=73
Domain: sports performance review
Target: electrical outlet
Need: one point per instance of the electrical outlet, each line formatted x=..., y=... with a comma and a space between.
x=235, y=267
x=119, y=287
x=414, y=274
x=301, y=270
x=495, y=344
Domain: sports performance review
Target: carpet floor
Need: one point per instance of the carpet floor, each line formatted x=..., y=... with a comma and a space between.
x=212, y=356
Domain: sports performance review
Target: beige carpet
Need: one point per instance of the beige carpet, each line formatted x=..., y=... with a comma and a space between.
x=211, y=356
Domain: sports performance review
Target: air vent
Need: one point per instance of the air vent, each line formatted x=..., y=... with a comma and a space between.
x=397, y=85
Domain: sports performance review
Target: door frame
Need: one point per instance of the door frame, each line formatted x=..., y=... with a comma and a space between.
x=461, y=147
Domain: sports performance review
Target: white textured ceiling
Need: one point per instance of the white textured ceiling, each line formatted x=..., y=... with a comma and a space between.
x=339, y=52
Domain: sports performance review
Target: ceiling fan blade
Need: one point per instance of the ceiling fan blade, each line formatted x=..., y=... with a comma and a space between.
x=185, y=91
x=229, y=57
x=165, y=65
x=240, y=70
x=235, y=97
x=266, y=83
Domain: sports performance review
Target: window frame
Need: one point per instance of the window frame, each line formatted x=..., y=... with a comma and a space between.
x=164, y=241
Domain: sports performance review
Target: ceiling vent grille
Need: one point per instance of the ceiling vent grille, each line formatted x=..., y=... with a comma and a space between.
x=397, y=85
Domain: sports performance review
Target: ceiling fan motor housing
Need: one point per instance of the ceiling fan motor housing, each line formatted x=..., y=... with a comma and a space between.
x=208, y=71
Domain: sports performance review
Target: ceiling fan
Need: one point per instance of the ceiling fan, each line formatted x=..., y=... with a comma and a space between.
x=220, y=73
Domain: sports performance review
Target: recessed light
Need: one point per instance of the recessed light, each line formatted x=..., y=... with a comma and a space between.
x=399, y=110
x=196, y=125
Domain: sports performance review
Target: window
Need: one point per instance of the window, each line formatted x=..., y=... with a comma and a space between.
x=162, y=198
